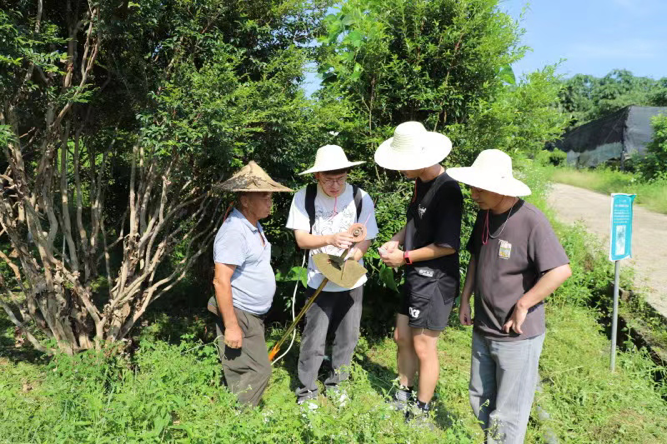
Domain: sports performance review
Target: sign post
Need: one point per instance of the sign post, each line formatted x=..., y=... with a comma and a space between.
x=620, y=247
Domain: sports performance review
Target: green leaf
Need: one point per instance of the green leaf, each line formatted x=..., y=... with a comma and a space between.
x=387, y=278
x=506, y=74
x=347, y=20
x=355, y=38
x=295, y=274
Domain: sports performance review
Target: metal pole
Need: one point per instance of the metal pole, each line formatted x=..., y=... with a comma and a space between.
x=614, y=319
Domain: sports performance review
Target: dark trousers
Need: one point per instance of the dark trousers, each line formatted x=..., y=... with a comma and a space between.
x=339, y=312
x=247, y=369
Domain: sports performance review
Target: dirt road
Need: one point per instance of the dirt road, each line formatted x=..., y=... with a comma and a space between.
x=649, y=242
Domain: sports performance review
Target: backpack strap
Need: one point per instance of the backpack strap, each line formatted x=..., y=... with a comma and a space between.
x=311, y=192
x=358, y=200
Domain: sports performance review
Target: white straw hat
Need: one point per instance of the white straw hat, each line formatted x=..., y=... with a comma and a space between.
x=412, y=148
x=330, y=158
x=491, y=171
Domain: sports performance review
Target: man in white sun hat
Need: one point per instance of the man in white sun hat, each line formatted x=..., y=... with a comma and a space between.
x=320, y=216
x=431, y=240
x=516, y=262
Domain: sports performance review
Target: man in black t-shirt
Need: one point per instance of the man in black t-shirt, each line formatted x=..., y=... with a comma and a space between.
x=516, y=262
x=430, y=240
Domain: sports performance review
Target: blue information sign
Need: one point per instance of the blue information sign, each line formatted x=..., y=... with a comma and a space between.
x=620, y=239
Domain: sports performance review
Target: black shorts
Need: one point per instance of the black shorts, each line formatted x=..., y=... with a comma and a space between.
x=426, y=304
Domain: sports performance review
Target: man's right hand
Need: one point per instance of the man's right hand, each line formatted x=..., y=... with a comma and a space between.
x=390, y=246
x=464, y=313
x=233, y=336
x=342, y=240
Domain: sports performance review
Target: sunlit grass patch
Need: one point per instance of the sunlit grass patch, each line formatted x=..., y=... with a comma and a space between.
x=652, y=195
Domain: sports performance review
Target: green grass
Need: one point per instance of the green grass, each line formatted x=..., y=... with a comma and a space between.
x=652, y=195
x=172, y=393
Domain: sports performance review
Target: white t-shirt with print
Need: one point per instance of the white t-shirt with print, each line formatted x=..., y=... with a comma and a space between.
x=328, y=221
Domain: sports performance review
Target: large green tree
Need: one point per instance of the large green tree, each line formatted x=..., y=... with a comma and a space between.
x=116, y=119
x=587, y=98
x=430, y=61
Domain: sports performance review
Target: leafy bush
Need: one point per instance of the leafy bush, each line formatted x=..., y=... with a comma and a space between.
x=556, y=157
x=654, y=164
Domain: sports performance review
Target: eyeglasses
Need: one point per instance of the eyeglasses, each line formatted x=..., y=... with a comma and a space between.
x=337, y=181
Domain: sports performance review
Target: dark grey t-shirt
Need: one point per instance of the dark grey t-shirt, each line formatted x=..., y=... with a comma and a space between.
x=511, y=262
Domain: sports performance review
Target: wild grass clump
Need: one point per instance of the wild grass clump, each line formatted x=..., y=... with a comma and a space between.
x=587, y=403
x=173, y=393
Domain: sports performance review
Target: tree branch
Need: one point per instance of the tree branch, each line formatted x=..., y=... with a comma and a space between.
x=67, y=222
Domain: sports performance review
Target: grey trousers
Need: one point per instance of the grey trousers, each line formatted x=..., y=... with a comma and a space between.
x=503, y=379
x=247, y=369
x=339, y=312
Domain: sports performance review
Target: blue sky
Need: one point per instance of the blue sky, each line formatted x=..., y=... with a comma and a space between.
x=594, y=36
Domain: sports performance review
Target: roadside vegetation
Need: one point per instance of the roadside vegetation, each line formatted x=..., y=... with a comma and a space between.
x=651, y=195
x=644, y=176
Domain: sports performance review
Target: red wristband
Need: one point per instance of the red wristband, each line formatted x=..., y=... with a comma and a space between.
x=406, y=258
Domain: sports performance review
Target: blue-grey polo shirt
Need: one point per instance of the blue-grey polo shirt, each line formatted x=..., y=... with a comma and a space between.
x=238, y=243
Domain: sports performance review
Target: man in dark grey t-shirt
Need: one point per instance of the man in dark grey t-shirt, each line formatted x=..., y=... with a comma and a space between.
x=516, y=262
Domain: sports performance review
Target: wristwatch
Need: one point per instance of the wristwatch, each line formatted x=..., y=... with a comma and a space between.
x=406, y=258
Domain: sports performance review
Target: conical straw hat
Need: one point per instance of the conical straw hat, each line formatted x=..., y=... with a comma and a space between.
x=252, y=178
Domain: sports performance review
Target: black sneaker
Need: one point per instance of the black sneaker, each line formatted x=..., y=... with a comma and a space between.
x=308, y=402
x=402, y=399
x=418, y=414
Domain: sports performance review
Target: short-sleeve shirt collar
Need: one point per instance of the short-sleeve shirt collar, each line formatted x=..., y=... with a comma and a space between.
x=236, y=213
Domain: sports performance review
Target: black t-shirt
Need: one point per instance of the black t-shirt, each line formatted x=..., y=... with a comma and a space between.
x=434, y=217
x=512, y=255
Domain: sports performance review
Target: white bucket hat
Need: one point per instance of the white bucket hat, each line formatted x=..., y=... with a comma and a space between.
x=330, y=158
x=412, y=148
x=491, y=171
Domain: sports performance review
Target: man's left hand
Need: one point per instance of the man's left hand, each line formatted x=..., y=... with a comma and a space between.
x=516, y=321
x=393, y=259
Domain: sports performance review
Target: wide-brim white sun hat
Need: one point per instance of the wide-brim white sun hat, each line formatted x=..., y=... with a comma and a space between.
x=491, y=171
x=330, y=158
x=412, y=148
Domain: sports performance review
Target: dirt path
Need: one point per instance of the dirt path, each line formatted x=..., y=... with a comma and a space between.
x=649, y=242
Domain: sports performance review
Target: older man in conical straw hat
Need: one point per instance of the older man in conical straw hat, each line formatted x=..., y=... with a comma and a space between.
x=516, y=262
x=245, y=283
x=430, y=240
x=320, y=216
